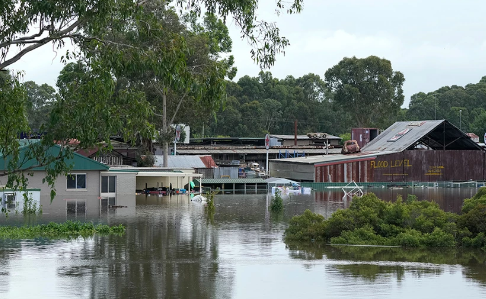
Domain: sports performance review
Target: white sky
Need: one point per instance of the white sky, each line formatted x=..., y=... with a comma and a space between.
x=433, y=43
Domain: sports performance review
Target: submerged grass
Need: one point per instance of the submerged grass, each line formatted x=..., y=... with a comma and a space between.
x=66, y=230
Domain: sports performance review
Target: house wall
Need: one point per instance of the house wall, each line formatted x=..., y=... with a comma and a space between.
x=90, y=195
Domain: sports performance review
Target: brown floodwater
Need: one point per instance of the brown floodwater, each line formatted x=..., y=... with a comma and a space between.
x=172, y=249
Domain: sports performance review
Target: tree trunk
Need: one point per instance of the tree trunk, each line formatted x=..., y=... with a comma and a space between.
x=164, y=129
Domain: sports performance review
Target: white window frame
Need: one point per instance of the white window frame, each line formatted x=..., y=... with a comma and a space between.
x=108, y=178
x=76, y=182
x=76, y=201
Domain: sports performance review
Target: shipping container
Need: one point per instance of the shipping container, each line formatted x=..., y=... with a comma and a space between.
x=364, y=135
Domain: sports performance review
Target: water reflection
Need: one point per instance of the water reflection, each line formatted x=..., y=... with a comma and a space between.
x=172, y=250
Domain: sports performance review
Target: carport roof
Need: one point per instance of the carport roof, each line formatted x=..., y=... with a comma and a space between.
x=233, y=181
x=167, y=174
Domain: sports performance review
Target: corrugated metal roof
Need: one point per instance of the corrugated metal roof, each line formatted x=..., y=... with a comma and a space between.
x=312, y=151
x=433, y=133
x=208, y=161
x=330, y=158
x=233, y=181
x=299, y=137
x=180, y=161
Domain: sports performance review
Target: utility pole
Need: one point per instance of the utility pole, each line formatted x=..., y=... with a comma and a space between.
x=295, y=132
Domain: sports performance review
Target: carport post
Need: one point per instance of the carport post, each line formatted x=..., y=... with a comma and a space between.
x=234, y=188
x=256, y=188
x=244, y=186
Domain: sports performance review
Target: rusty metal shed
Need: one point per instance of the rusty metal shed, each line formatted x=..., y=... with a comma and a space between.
x=422, y=151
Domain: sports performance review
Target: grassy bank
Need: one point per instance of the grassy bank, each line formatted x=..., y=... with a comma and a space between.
x=66, y=230
x=409, y=223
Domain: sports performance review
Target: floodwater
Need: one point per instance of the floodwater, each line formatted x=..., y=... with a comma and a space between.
x=172, y=249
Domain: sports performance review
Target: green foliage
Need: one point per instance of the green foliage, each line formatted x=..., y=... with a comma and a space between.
x=276, y=205
x=66, y=230
x=40, y=99
x=345, y=137
x=264, y=104
x=306, y=227
x=447, y=102
x=115, y=42
x=30, y=206
x=478, y=199
x=210, y=208
x=413, y=223
x=145, y=158
x=368, y=88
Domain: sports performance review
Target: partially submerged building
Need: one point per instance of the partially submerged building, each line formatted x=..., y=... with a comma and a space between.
x=424, y=151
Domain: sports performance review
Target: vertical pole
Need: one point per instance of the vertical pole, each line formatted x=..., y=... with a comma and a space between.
x=266, y=165
x=295, y=132
x=175, y=148
x=327, y=145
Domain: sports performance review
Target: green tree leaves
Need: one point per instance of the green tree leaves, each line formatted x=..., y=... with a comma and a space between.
x=368, y=88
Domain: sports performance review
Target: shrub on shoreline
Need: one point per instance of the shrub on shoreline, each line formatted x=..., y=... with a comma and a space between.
x=410, y=223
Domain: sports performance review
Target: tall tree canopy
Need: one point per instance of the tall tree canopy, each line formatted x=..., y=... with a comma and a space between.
x=115, y=41
x=368, y=88
x=464, y=106
x=264, y=104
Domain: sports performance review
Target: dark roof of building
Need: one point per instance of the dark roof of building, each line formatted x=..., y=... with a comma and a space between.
x=433, y=134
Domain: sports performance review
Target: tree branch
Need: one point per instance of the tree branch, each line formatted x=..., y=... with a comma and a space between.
x=56, y=36
x=177, y=108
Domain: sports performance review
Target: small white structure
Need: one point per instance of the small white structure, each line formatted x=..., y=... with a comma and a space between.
x=199, y=198
x=14, y=201
x=292, y=190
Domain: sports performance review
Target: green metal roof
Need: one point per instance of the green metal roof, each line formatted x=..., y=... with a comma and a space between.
x=232, y=181
x=78, y=161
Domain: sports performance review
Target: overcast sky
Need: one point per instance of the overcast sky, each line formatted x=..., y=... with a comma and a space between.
x=433, y=43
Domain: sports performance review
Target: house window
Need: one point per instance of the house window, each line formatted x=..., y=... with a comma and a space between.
x=9, y=200
x=108, y=184
x=76, y=207
x=76, y=181
x=106, y=203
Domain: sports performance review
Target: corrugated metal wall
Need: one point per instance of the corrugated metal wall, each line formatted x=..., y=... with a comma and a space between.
x=407, y=166
x=228, y=172
x=344, y=172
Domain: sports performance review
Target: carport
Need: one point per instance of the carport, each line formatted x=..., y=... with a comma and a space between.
x=148, y=179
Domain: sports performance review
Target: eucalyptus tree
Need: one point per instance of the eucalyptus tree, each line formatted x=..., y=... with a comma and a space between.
x=40, y=99
x=368, y=88
x=87, y=109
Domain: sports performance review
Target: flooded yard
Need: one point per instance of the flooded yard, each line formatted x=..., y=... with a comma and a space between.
x=172, y=249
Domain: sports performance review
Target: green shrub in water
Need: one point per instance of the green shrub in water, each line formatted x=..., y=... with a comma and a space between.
x=413, y=223
x=277, y=202
x=67, y=230
x=306, y=227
